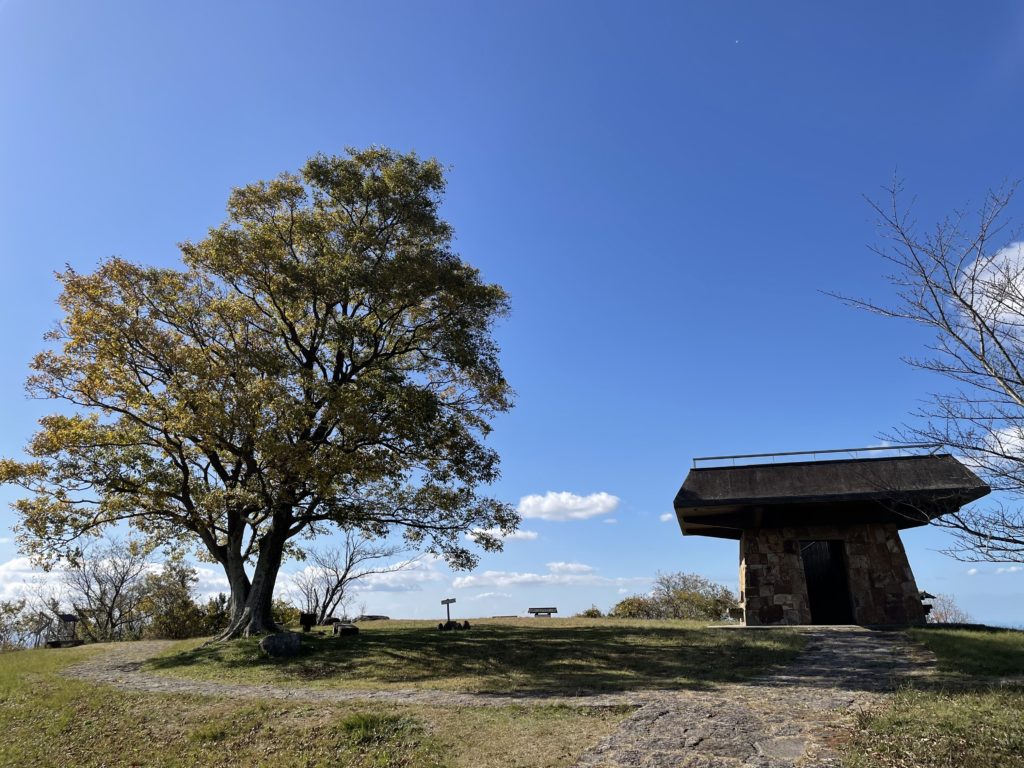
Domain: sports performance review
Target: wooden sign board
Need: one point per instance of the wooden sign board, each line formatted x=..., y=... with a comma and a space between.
x=449, y=601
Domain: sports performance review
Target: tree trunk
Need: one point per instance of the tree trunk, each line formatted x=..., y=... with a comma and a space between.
x=241, y=587
x=252, y=601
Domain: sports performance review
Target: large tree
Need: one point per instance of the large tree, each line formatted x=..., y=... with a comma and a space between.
x=322, y=358
x=963, y=278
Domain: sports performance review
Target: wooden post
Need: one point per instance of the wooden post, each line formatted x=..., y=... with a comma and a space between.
x=447, y=603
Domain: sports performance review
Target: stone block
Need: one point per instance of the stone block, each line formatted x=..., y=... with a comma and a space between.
x=772, y=614
x=281, y=644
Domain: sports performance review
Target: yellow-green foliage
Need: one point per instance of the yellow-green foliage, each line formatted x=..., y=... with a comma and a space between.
x=323, y=356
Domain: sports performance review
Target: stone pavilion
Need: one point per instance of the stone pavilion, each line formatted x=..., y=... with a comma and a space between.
x=819, y=540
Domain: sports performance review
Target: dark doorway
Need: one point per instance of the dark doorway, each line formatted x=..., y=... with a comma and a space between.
x=828, y=589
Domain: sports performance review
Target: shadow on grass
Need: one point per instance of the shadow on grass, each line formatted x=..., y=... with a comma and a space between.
x=508, y=659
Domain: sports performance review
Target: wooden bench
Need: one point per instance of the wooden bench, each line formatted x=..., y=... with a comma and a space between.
x=64, y=643
x=546, y=612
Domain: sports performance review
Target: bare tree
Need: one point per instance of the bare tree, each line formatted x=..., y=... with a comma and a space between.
x=325, y=585
x=964, y=278
x=105, y=588
x=43, y=600
x=946, y=611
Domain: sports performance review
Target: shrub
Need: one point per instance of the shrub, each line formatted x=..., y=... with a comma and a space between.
x=215, y=615
x=679, y=596
x=593, y=612
x=285, y=614
x=636, y=607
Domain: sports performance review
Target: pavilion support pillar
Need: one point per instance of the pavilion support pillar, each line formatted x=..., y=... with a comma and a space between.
x=872, y=581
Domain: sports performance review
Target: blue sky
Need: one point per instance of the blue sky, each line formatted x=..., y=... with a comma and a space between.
x=665, y=190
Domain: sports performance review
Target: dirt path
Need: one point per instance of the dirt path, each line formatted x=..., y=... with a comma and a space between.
x=779, y=720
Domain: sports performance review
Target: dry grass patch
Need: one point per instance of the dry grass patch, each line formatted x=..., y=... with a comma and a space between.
x=942, y=729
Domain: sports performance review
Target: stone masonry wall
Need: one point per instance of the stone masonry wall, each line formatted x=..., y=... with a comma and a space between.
x=774, y=590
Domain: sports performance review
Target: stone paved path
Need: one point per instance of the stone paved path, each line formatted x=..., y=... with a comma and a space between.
x=780, y=720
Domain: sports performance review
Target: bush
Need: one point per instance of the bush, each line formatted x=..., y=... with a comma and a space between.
x=679, y=596
x=636, y=607
x=215, y=615
x=285, y=614
x=593, y=612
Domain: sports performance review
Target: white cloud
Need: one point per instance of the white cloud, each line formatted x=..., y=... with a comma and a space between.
x=19, y=577
x=666, y=517
x=212, y=582
x=1001, y=570
x=623, y=591
x=994, y=286
x=6, y=540
x=563, y=505
x=610, y=520
x=519, y=535
x=559, y=574
x=491, y=595
x=570, y=568
x=418, y=571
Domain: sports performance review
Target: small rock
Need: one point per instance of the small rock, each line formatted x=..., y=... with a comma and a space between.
x=785, y=748
x=281, y=644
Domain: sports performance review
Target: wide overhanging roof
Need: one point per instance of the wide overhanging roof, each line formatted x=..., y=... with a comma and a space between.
x=903, y=490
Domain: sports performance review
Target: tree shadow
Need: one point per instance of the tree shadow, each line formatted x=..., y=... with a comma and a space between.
x=547, y=659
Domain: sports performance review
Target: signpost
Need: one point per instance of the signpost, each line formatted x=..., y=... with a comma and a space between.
x=447, y=603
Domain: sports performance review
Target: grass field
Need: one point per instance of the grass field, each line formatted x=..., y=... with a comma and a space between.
x=49, y=720
x=966, y=717
x=564, y=656
x=978, y=652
